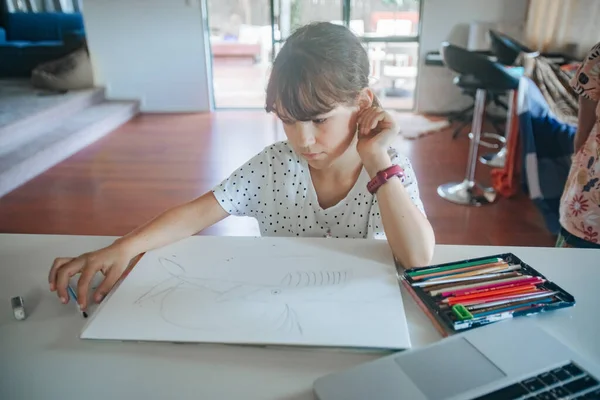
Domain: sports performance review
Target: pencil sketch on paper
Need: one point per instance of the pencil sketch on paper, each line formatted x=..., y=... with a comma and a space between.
x=180, y=297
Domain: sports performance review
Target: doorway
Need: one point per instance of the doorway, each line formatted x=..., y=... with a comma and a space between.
x=246, y=35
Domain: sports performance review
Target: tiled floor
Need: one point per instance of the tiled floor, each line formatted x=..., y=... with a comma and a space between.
x=157, y=161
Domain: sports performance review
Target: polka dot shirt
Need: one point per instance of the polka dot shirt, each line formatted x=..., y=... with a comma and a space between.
x=276, y=189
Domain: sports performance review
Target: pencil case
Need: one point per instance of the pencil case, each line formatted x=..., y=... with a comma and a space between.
x=451, y=319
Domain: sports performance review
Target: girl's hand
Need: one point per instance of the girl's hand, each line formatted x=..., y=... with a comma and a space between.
x=111, y=261
x=377, y=129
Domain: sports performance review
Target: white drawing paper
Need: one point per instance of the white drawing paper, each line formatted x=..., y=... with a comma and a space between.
x=259, y=291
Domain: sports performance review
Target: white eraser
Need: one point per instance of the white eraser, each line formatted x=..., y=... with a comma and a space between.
x=18, y=307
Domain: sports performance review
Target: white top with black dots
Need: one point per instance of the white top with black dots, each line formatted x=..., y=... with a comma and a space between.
x=275, y=187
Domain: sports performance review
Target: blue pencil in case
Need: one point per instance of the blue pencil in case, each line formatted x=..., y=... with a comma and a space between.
x=74, y=296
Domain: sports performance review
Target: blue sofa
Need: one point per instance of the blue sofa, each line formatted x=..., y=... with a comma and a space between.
x=29, y=39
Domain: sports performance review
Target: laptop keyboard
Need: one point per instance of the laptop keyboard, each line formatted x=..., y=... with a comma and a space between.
x=569, y=382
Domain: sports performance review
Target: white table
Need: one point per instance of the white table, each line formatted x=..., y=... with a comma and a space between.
x=43, y=357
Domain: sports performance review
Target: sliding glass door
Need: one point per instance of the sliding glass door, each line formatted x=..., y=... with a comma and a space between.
x=247, y=34
x=241, y=46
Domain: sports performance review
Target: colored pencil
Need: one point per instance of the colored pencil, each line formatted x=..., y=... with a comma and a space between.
x=469, y=301
x=512, y=308
x=433, y=285
x=74, y=296
x=493, y=286
x=474, y=285
x=509, y=306
x=499, y=268
x=426, y=271
x=496, y=294
x=502, y=297
x=500, y=302
x=458, y=271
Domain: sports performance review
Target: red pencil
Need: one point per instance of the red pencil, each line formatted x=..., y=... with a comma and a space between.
x=495, y=294
x=493, y=286
x=493, y=299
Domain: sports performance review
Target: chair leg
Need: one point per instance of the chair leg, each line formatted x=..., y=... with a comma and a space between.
x=468, y=192
x=458, y=130
x=498, y=160
x=498, y=127
x=500, y=103
x=461, y=115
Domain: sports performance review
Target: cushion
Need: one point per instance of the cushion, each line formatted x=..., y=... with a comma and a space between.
x=32, y=27
x=41, y=26
x=72, y=72
x=71, y=23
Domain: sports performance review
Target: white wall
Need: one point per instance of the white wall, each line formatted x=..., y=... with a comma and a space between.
x=149, y=50
x=448, y=20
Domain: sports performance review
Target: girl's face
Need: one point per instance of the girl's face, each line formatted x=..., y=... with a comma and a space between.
x=325, y=138
x=328, y=136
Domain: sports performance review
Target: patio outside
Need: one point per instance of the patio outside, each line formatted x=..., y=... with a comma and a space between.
x=241, y=46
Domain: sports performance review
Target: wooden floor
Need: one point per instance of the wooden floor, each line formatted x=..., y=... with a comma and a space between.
x=157, y=161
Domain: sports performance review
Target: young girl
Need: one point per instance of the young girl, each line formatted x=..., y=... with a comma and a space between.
x=327, y=180
x=580, y=202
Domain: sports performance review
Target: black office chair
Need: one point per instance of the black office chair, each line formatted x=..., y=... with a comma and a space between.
x=507, y=50
x=465, y=116
x=485, y=77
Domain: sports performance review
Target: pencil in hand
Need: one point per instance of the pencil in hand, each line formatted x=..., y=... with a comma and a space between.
x=74, y=296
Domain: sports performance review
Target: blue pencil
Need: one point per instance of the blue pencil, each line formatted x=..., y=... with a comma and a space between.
x=74, y=296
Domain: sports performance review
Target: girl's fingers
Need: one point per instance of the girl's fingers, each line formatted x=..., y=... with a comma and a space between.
x=360, y=115
x=376, y=119
x=63, y=276
x=373, y=119
x=360, y=119
x=59, y=262
x=369, y=118
x=365, y=126
x=84, y=283
x=109, y=281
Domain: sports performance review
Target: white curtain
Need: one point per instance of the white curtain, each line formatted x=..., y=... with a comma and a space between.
x=547, y=23
x=563, y=25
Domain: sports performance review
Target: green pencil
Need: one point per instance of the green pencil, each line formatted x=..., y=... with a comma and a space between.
x=426, y=271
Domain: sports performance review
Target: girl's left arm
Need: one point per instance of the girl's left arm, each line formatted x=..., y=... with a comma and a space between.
x=406, y=227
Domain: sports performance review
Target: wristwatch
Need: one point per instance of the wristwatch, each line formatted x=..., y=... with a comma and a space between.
x=384, y=176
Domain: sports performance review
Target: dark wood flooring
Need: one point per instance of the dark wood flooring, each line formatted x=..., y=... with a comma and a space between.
x=157, y=161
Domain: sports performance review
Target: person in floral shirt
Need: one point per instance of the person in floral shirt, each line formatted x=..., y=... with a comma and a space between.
x=580, y=201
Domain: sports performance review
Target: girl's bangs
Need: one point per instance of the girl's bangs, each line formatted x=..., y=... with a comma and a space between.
x=294, y=97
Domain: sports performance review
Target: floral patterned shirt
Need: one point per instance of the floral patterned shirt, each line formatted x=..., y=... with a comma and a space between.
x=580, y=202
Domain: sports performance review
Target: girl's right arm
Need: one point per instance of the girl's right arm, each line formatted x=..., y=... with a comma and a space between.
x=173, y=225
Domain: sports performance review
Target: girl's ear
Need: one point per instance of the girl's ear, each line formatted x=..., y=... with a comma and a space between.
x=366, y=98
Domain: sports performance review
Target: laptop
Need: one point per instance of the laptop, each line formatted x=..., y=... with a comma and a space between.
x=502, y=361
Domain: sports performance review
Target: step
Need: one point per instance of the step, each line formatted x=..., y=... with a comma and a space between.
x=71, y=135
x=32, y=115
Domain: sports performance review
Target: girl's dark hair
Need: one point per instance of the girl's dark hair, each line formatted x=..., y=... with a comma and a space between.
x=321, y=65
